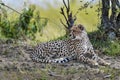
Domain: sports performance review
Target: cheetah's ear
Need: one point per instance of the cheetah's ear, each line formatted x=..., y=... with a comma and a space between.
x=80, y=27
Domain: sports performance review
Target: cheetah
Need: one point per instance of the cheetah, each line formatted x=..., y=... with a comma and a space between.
x=77, y=47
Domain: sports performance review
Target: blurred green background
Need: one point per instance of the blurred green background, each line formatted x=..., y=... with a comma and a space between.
x=51, y=9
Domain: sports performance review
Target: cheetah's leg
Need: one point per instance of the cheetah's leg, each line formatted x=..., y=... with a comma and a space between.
x=95, y=57
x=87, y=60
x=102, y=62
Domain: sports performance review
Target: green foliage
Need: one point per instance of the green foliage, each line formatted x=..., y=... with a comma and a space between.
x=26, y=25
x=113, y=48
x=101, y=42
x=37, y=23
x=55, y=29
x=25, y=18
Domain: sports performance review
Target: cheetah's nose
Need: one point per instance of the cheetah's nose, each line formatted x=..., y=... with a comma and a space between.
x=70, y=35
x=73, y=37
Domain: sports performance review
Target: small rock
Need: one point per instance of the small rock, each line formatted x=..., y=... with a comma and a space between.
x=107, y=76
x=112, y=35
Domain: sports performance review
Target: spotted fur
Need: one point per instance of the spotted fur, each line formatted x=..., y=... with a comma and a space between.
x=78, y=47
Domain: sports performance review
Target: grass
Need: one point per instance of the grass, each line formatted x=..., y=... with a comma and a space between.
x=63, y=72
x=107, y=46
x=112, y=72
x=113, y=48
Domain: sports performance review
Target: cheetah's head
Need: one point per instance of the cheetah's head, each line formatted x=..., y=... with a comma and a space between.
x=78, y=32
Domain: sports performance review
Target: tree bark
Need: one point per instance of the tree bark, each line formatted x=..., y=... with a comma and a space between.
x=113, y=15
x=110, y=25
x=105, y=14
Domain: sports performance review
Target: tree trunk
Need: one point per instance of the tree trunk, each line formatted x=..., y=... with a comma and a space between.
x=110, y=25
x=113, y=15
x=105, y=14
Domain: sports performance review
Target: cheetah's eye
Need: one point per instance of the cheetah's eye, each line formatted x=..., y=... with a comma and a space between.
x=73, y=30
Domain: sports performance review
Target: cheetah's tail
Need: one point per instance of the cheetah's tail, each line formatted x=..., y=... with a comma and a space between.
x=58, y=60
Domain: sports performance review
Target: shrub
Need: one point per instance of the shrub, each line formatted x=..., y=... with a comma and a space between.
x=26, y=25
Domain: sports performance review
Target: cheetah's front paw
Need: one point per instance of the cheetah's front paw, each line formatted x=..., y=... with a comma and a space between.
x=104, y=63
x=94, y=63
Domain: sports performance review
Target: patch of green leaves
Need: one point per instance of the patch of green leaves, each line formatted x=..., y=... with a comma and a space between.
x=26, y=25
x=101, y=42
x=113, y=48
